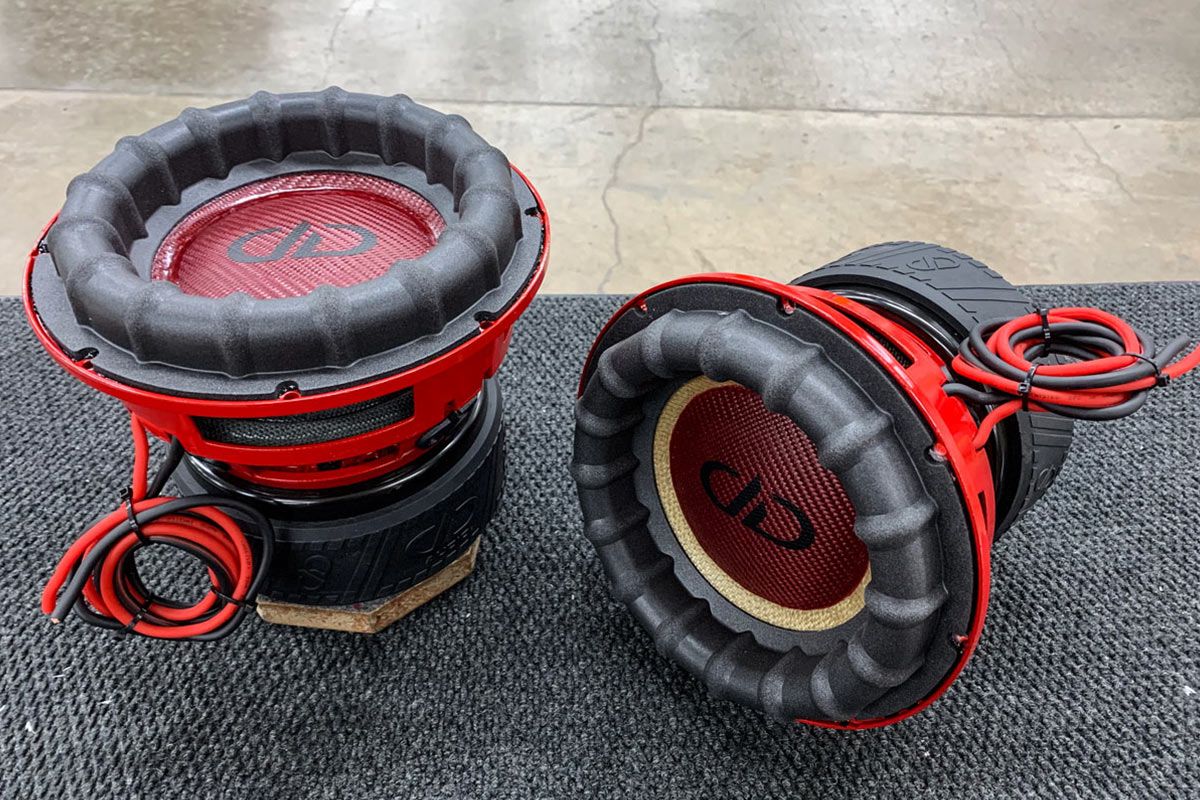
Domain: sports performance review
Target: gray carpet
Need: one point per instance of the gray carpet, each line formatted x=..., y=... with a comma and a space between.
x=528, y=681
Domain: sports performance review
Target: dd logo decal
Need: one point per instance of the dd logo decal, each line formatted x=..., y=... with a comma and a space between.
x=308, y=239
x=761, y=511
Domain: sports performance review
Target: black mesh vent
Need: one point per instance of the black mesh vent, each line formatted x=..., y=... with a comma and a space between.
x=313, y=427
x=888, y=344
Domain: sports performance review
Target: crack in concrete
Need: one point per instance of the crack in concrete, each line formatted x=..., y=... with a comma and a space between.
x=593, y=15
x=618, y=258
x=1102, y=163
x=706, y=264
x=1008, y=57
x=331, y=42
x=650, y=44
x=652, y=52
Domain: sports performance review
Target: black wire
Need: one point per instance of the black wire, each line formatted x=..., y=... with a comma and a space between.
x=170, y=462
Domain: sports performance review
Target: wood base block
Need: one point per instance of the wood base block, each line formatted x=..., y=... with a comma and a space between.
x=376, y=615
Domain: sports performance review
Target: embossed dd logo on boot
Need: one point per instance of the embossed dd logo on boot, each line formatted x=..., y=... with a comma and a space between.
x=446, y=536
x=313, y=572
x=304, y=240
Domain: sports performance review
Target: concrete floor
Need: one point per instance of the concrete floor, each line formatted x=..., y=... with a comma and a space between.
x=1057, y=141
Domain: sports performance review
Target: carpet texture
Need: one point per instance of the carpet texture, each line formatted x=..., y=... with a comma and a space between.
x=529, y=681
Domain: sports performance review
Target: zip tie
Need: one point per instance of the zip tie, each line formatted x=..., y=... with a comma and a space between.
x=127, y=501
x=233, y=601
x=1160, y=378
x=1046, y=334
x=1026, y=386
x=133, y=621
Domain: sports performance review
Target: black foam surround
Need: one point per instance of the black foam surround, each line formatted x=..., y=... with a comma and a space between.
x=112, y=206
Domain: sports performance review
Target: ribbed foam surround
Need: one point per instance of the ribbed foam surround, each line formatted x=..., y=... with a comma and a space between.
x=782, y=493
x=454, y=246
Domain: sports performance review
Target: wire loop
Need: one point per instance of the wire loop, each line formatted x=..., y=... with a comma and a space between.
x=1081, y=363
x=97, y=578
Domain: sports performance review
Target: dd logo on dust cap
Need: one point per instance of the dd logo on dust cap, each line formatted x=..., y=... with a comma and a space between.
x=795, y=488
x=754, y=510
x=755, y=519
x=301, y=242
x=308, y=296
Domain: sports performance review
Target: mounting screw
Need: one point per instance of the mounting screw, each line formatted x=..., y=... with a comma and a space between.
x=84, y=357
x=287, y=390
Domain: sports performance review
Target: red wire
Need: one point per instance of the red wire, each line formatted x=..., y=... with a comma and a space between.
x=205, y=527
x=1000, y=343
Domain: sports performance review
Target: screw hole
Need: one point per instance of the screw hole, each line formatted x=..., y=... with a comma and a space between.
x=532, y=211
x=786, y=307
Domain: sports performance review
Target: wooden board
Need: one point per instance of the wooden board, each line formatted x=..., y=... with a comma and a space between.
x=376, y=615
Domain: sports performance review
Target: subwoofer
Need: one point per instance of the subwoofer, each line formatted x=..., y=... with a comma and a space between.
x=308, y=295
x=795, y=490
